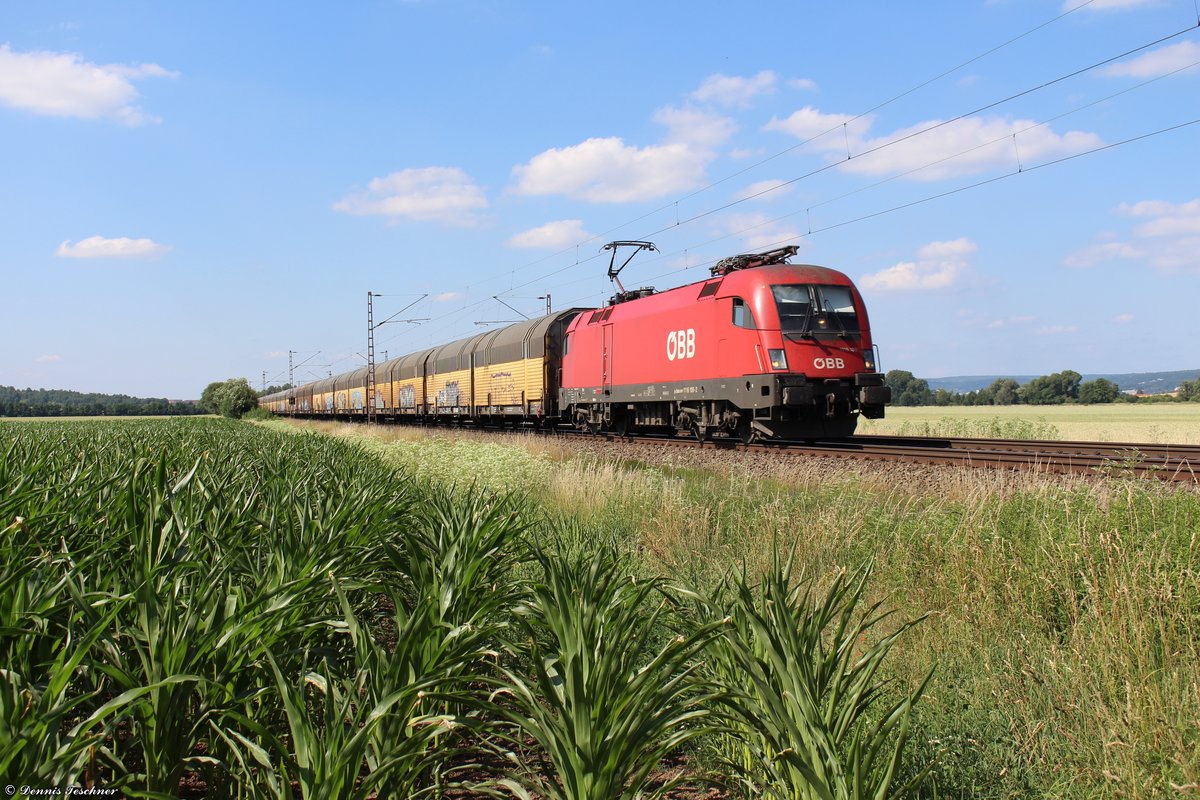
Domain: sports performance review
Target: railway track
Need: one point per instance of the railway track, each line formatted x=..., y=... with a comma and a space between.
x=1166, y=462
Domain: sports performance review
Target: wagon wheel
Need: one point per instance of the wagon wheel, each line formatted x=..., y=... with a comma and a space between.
x=700, y=431
x=592, y=428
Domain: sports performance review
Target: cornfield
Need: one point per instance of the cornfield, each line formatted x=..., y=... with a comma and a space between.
x=208, y=608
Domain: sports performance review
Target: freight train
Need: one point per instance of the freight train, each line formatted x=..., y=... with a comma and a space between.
x=762, y=349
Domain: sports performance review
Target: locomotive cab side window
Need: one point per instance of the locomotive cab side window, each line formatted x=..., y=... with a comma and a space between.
x=743, y=317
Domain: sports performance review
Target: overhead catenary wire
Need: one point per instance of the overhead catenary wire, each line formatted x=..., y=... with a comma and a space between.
x=939, y=195
x=883, y=104
x=967, y=187
x=920, y=201
x=922, y=131
x=945, y=159
x=881, y=147
x=680, y=223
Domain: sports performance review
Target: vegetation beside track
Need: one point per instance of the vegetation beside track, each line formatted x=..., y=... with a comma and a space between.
x=1152, y=423
x=209, y=607
x=214, y=607
x=1064, y=614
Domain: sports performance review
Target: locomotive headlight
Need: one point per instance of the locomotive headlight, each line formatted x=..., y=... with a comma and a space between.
x=778, y=359
x=869, y=360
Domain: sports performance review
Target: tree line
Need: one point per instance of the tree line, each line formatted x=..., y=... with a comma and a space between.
x=16, y=402
x=1054, y=389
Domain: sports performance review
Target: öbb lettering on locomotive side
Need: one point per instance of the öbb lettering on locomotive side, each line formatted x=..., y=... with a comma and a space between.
x=681, y=344
x=760, y=349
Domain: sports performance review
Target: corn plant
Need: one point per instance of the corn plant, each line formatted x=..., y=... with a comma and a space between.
x=135, y=604
x=184, y=639
x=377, y=729
x=603, y=702
x=429, y=672
x=463, y=551
x=803, y=708
x=41, y=653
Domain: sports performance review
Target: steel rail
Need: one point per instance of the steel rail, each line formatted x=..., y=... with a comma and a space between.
x=1172, y=462
x=1168, y=462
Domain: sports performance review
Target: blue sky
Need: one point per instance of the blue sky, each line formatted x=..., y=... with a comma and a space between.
x=191, y=190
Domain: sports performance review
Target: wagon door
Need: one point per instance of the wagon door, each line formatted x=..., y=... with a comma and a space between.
x=606, y=360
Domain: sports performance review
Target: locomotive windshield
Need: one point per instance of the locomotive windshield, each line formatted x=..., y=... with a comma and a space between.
x=809, y=310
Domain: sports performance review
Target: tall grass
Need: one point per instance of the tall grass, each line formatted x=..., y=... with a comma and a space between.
x=1064, y=613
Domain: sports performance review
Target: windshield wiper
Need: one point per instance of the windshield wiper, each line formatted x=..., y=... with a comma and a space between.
x=831, y=314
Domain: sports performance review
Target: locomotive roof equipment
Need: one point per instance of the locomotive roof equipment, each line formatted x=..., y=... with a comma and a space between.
x=613, y=270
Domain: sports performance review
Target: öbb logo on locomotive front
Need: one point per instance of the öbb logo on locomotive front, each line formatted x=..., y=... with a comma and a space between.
x=829, y=363
x=681, y=344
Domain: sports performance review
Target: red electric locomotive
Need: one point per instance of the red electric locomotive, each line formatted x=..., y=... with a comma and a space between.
x=763, y=348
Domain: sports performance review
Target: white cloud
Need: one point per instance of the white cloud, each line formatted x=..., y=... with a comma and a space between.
x=64, y=85
x=767, y=190
x=691, y=126
x=1169, y=239
x=427, y=194
x=1098, y=253
x=981, y=320
x=1123, y=318
x=1167, y=219
x=809, y=123
x=803, y=83
x=48, y=359
x=447, y=297
x=729, y=90
x=1057, y=330
x=1109, y=5
x=554, y=235
x=984, y=144
x=939, y=265
x=609, y=171
x=1158, y=62
x=933, y=149
x=99, y=247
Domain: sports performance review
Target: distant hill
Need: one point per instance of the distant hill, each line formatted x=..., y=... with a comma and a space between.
x=1148, y=382
x=16, y=402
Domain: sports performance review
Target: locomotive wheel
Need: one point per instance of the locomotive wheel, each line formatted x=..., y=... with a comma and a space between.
x=745, y=431
x=622, y=426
